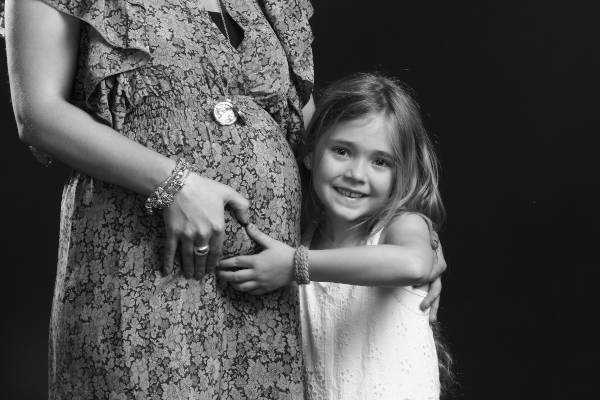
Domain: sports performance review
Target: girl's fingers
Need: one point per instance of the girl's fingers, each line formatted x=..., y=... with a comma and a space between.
x=187, y=257
x=261, y=238
x=235, y=263
x=248, y=286
x=169, y=254
x=237, y=277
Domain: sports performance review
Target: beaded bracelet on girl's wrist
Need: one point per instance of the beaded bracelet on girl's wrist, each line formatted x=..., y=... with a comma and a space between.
x=164, y=194
x=301, y=265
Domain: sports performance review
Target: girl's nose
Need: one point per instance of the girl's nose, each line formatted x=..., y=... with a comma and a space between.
x=356, y=171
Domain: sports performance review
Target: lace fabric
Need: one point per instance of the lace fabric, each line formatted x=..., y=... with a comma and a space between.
x=367, y=342
x=152, y=70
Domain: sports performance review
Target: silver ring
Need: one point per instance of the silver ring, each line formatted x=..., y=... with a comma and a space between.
x=201, y=250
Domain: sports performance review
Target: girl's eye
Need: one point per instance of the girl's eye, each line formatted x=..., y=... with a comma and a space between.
x=340, y=151
x=381, y=162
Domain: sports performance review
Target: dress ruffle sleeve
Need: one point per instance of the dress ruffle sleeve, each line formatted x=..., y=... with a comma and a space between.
x=113, y=41
x=290, y=21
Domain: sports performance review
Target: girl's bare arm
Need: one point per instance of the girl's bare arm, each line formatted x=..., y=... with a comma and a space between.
x=405, y=257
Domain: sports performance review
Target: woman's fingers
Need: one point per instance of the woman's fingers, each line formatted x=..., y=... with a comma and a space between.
x=239, y=205
x=196, y=218
x=434, y=310
x=432, y=300
x=435, y=289
x=187, y=256
x=200, y=255
x=169, y=254
x=441, y=261
x=216, y=245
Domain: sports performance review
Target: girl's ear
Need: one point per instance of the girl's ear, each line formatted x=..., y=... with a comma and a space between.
x=307, y=161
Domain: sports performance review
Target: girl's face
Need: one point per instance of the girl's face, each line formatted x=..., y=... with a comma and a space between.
x=353, y=169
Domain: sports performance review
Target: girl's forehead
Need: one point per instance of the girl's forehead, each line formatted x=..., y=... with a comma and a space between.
x=372, y=130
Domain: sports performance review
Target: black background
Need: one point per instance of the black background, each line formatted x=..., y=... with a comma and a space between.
x=509, y=93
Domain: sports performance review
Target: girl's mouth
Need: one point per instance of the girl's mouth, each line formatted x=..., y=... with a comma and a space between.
x=349, y=193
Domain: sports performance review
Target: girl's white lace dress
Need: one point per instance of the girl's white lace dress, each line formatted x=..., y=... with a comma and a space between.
x=365, y=342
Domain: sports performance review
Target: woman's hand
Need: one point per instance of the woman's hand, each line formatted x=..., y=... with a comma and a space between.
x=435, y=286
x=263, y=272
x=197, y=218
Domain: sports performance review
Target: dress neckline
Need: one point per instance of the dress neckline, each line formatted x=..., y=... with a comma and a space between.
x=234, y=30
x=237, y=18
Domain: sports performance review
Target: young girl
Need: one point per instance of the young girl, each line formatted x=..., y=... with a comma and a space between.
x=371, y=208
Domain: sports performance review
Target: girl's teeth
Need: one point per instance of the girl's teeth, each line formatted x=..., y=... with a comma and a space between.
x=349, y=194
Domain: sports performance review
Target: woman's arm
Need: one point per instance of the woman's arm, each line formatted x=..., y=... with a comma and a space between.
x=405, y=257
x=42, y=46
x=308, y=110
x=41, y=50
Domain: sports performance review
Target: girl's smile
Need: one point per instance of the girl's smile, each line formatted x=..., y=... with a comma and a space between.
x=349, y=193
x=352, y=169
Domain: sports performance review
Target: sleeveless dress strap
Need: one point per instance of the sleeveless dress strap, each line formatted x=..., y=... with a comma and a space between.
x=373, y=239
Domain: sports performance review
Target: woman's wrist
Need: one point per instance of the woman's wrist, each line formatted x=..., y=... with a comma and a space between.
x=164, y=194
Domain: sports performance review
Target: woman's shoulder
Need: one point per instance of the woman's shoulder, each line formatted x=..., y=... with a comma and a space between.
x=290, y=21
x=287, y=7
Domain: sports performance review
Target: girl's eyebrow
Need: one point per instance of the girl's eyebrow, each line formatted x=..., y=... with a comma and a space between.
x=342, y=141
x=384, y=154
x=352, y=145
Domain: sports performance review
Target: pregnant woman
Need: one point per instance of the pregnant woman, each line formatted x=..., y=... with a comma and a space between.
x=179, y=119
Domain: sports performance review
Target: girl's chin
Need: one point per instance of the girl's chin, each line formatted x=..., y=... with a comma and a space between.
x=345, y=215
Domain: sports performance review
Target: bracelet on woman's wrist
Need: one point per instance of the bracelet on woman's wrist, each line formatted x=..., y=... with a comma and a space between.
x=301, y=265
x=164, y=194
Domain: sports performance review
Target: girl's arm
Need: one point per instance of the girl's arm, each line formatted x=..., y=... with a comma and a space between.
x=42, y=46
x=404, y=257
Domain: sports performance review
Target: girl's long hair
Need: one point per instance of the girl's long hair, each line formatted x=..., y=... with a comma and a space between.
x=415, y=182
x=415, y=186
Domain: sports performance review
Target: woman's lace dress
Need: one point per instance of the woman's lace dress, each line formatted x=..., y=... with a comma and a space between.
x=152, y=70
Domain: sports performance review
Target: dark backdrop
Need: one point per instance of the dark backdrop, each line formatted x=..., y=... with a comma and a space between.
x=509, y=93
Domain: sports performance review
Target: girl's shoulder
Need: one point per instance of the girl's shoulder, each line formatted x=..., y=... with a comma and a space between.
x=407, y=227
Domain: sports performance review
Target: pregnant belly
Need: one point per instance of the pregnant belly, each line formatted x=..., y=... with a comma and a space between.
x=253, y=158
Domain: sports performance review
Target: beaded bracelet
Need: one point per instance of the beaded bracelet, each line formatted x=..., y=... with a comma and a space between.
x=164, y=194
x=301, y=265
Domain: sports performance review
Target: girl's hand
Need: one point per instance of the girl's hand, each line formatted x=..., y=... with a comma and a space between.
x=435, y=286
x=263, y=272
x=197, y=218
